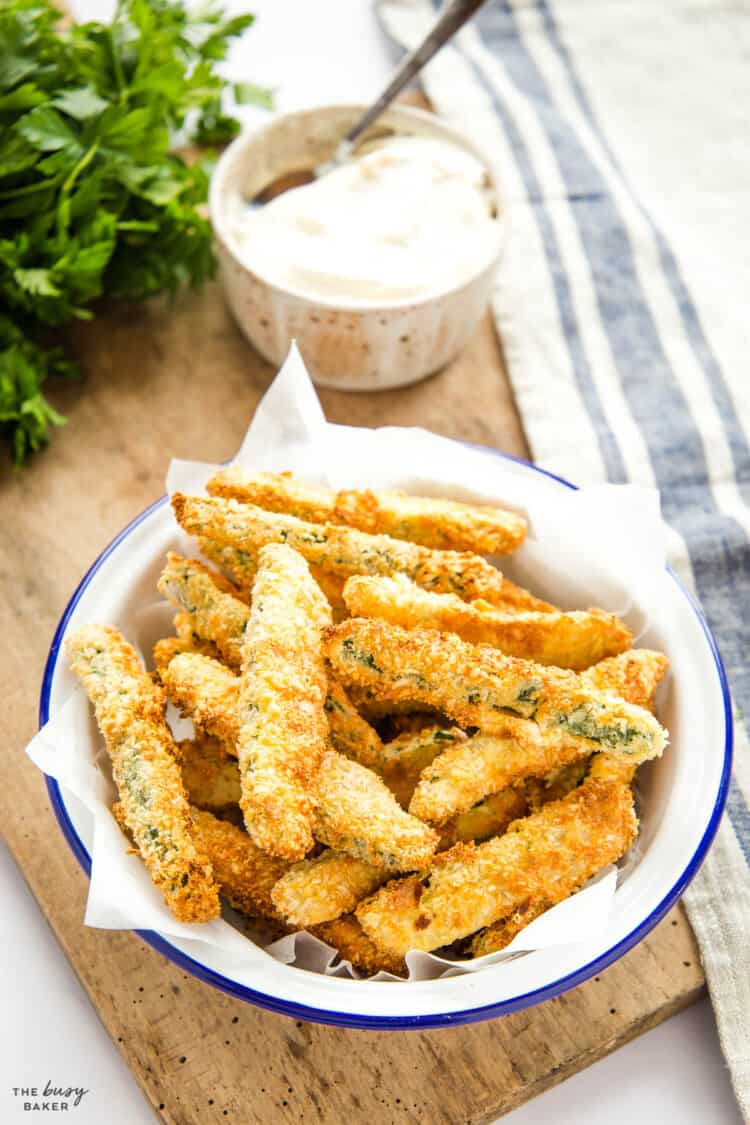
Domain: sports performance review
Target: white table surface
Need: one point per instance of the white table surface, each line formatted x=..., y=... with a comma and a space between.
x=51, y=1031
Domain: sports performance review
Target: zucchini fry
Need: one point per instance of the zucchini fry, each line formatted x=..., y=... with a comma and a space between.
x=217, y=613
x=245, y=874
x=634, y=676
x=210, y=775
x=489, y=817
x=567, y=640
x=242, y=566
x=443, y=524
x=405, y=756
x=345, y=551
x=356, y=812
x=321, y=889
x=549, y=854
x=130, y=712
x=349, y=733
x=359, y=815
x=604, y=768
x=280, y=704
x=540, y=790
x=497, y=936
x=477, y=686
x=550, y=764
x=187, y=640
x=353, y=944
x=484, y=764
x=206, y=691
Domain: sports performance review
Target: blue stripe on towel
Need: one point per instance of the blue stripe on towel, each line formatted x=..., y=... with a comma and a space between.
x=607, y=441
x=719, y=548
x=691, y=321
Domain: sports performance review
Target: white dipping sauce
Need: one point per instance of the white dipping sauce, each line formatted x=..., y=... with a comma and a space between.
x=406, y=220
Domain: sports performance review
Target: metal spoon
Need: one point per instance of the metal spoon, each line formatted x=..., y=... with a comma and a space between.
x=449, y=22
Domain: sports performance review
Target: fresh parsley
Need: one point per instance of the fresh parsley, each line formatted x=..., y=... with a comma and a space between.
x=93, y=201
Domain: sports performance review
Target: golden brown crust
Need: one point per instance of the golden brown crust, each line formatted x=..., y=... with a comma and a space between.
x=282, y=690
x=489, y=817
x=205, y=691
x=349, y=733
x=484, y=764
x=353, y=944
x=438, y=523
x=355, y=813
x=242, y=566
x=478, y=686
x=540, y=790
x=210, y=775
x=218, y=612
x=130, y=712
x=345, y=551
x=548, y=854
x=634, y=676
x=358, y=814
x=500, y=934
x=408, y=754
x=187, y=640
x=245, y=874
x=321, y=889
x=567, y=640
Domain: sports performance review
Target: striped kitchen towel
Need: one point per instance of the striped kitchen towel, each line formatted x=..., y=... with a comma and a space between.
x=621, y=134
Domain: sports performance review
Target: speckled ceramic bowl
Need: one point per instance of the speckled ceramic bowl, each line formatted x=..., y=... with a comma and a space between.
x=358, y=346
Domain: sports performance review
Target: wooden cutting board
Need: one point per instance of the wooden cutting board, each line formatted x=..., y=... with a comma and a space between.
x=180, y=381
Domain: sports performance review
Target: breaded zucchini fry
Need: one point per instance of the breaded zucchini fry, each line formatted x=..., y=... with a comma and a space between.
x=353, y=944
x=345, y=551
x=405, y=756
x=349, y=733
x=358, y=814
x=318, y=890
x=246, y=875
x=605, y=768
x=210, y=775
x=374, y=709
x=217, y=613
x=496, y=937
x=283, y=727
x=443, y=524
x=548, y=854
x=540, y=790
x=477, y=686
x=484, y=764
x=551, y=765
x=207, y=692
x=567, y=640
x=187, y=640
x=242, y=566
x=634, y=676
x=489, y=817
x=130, y=713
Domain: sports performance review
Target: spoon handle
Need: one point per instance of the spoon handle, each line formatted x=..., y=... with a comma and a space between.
x=449, y=22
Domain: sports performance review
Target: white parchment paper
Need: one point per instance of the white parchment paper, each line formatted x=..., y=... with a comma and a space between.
x=602, y=545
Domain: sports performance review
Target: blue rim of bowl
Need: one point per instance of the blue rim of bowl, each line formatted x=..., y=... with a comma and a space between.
x=395, y=1023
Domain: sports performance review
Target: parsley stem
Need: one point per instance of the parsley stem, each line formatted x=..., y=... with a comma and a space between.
x=83, y=163
x=116, y=66
x=29, y=189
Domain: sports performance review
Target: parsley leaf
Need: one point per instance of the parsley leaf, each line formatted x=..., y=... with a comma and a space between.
x=93, y=201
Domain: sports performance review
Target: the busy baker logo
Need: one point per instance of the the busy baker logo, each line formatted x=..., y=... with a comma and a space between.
x=49, y=1098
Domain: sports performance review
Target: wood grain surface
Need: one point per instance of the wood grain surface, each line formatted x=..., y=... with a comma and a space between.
x=179, y=380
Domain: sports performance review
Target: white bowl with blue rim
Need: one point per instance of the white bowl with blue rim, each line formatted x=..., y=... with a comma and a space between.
x=682, y=796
